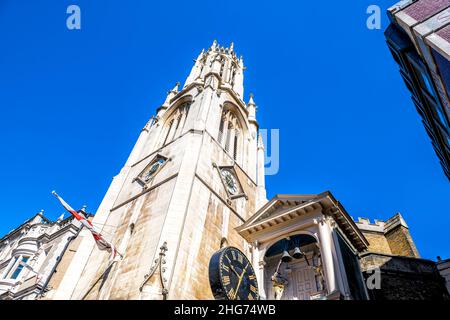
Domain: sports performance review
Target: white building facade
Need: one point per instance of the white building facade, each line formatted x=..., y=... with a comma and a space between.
x=30, y=254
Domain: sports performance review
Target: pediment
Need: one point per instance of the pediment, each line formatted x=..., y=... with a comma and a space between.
x=281, y=209
x=285, y=208
x=277, y=205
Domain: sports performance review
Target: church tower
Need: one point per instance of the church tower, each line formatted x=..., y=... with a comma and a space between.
x=195, y=174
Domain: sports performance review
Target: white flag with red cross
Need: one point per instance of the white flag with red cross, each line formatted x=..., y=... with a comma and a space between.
x=102, y=243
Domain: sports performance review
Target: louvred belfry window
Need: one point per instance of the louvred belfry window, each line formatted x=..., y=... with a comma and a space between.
x=176, y=123
x=230, y=137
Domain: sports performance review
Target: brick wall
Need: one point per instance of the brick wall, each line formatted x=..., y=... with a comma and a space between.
x=377, y=242
x=401, y=243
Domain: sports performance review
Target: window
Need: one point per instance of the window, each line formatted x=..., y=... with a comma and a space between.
x=16, y=267
x=424, y=81
x=236, y=142
x=222, y=123
x=442, y=118
x=227, y=141
x=19, y=268
x=222, y=67
x=229, y=136
x=176, y=123
x=169, y=129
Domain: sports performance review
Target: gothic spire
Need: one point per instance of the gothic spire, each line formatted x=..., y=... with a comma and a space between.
x=175, y=89
x=251, y=102
x=172, y=93
x=214, y=45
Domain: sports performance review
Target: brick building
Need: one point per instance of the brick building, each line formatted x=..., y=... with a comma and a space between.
x=419, y=40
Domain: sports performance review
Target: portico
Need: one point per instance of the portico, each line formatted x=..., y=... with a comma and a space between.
x=305, y=247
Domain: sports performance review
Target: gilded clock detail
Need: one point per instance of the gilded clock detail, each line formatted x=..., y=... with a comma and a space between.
x=232, y=276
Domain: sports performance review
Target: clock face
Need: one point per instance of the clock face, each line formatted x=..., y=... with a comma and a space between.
x=152, y=170
x=230, y=182
x=236, y=275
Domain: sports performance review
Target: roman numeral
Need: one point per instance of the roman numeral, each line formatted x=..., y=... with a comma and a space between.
x=252, y=277
x=240, y=258
x=253, y=289
x=232, y=294
x=226, y=280
x=226, y=268
x=250, y=297
x=233, y=254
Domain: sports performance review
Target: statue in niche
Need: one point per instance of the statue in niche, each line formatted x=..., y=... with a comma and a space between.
x=279, y=282
x=318, y=271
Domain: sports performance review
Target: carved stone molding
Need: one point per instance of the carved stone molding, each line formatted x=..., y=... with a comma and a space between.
x=158, y=266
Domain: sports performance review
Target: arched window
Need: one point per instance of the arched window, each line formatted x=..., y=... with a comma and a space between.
x=222, y=124
x=169, y=129
x=236, y=144
x=176, y=123
x=229, y=133
x=230, y=137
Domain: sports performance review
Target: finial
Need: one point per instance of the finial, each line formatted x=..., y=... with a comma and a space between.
x=231, y=46
x=260, y=141
x=241, y=62
x=61, y=217
x=214, y=45
x=83, y=208
x=41, y=212
x=175, y=89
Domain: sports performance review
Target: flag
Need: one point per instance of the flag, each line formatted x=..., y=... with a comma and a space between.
x=102, y=243
x=26, y=265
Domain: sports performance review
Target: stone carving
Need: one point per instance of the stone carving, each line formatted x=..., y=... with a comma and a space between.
x=159, y=262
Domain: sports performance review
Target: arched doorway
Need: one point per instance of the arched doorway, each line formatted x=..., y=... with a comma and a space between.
x=293, y=269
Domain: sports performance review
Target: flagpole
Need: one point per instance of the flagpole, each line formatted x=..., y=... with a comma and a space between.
x=102, y=243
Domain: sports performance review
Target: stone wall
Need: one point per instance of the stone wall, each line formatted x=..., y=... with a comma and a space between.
x=444, y=269
x=403, y=278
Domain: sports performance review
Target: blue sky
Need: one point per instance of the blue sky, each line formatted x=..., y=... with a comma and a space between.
x=73, y=102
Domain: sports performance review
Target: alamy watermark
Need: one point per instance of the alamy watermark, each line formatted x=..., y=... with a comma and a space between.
x=73, y=21
x=271, y=151
x=374, y=20
x=373, y=282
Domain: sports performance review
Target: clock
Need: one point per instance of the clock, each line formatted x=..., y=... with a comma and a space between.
x=153, y=169
x=230, y=181
x=231, y=276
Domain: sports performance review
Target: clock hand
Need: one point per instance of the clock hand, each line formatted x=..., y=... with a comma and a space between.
x=240, y=281
x=234, y=270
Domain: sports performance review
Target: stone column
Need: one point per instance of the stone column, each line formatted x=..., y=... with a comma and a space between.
x=256, y=265
x=326, y=245
x=261, y=279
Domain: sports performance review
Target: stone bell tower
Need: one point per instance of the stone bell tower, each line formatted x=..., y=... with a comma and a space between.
x=195, y=174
